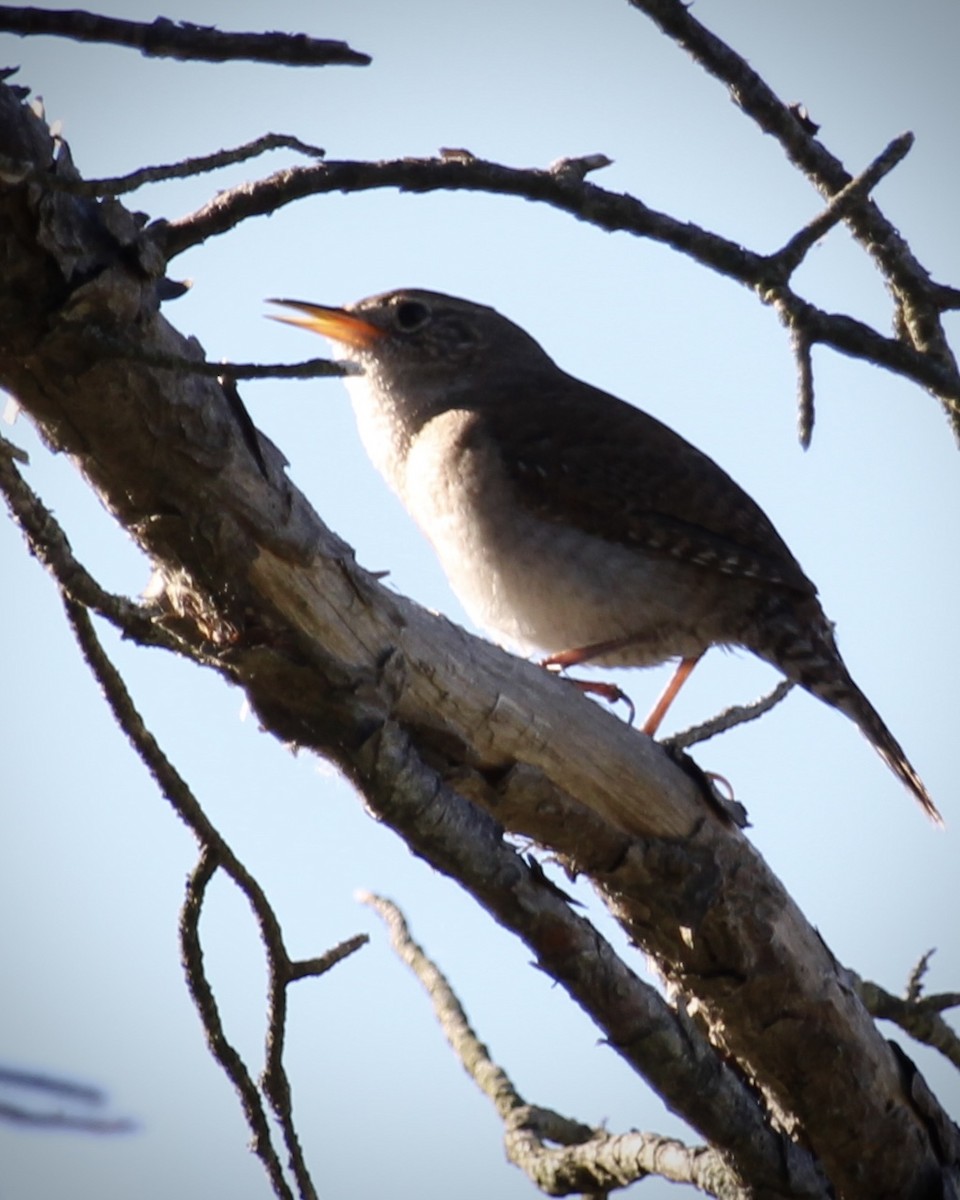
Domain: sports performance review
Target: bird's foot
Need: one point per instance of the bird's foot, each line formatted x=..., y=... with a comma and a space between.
x=595, y=687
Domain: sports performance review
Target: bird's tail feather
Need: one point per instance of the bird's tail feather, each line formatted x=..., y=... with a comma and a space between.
x=808, y=654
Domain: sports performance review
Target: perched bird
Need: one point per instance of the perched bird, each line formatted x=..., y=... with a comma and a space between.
x=569, y=521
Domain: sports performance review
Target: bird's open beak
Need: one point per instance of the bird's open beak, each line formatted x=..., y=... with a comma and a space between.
x=334, y=323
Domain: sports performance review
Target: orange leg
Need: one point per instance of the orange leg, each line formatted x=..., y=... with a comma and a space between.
x=610, y=692
x=573, y=658
x=669, y=694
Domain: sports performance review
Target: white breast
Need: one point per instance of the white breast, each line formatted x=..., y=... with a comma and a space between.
x=537, y=584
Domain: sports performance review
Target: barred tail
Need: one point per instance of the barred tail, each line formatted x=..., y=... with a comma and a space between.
x=809, y=656
x=855, y=704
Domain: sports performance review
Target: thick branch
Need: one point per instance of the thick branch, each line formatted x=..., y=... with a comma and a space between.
x=423, y=717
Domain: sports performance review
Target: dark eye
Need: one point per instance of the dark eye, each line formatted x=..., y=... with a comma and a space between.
x=411, y=314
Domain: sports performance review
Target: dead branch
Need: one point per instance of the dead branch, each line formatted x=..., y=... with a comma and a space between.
x=169, y=39
x=119, y=185
x=914, y=1013
x=737, y=714
x=659, y=1043
x=282, y=971
x=918, y=300
x=63, y=1089
x=766, y=275
x=589, y=1160
x=220, y=1047
x=428, y=722
x=430, y=725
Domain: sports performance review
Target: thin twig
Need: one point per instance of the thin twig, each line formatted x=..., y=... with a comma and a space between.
x=914, y=988
x=611, y=211
x=215, y=853
x=856, y=339
x=164, y=38
x=206, y=1005
x=796, y=136
x=737, y=714
x=589, y=1160
x=311, y=368
x=309, y=968
x=118, y=185
x=492, y=1080
x=793, y=253
x=66, y=1089
x=48, y=543
x=920, y=1020
x=802, y=352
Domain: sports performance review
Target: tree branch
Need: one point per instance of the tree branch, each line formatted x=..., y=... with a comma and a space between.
x=168, y=39
x=429, y=723
x=220, y=1047
x=916, y=1014
x=118, y=185
x=919, y=301
x=591, y=1160
x=48, y=543
x=216, y=854
x=767, y=275
x=842, y=204
x=737, y=714
x=670, y=1052
x=65, y=1089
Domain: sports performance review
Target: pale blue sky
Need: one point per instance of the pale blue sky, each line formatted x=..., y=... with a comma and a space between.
x=92, y=863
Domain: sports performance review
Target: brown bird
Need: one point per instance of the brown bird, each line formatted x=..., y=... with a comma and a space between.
x=570, y=521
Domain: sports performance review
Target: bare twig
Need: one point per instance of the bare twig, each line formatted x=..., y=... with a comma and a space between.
x=607, y=210
x=118, y=185
x=216, y=853
x=857, y=340
x=65, y=1089
x=206, y=1005
x=168, y=39
x=920, y=1019
x=48, y=544
x=918, y=299
x=801, y=344
x=590, y=1159
x=915, y=981
x=309, y=968
x=472, y=1053
x=660, y=1043
x=751, y=94
x=311, y=368
x=737, y=714
x=854, y=193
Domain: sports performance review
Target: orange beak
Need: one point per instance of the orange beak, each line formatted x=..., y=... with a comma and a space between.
x=334, y=323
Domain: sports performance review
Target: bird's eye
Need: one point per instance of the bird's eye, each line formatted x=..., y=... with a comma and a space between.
x=411, y=314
